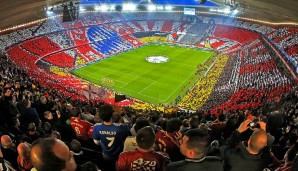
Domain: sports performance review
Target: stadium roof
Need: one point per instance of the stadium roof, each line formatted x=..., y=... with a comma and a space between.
x=21, y=11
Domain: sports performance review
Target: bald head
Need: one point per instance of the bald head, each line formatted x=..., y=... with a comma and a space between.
x=51, y=154
x=24, y=150
x=257, y=141
x=6, y=141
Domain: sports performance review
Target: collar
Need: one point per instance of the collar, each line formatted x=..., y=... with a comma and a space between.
x=79, y=153
x=196, y=160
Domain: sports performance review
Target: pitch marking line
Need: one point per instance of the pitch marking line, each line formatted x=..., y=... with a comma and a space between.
x=131, y=90
x=179, y=86
x=147, y=87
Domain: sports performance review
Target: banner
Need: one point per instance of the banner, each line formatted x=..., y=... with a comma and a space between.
x=119, y=98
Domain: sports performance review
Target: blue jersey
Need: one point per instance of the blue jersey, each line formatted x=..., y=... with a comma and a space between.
x=111, y=137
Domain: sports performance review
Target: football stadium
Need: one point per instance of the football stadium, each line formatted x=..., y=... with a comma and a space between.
x=148, y=85
x=152, y=81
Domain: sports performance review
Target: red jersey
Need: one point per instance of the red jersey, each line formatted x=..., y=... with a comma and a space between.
x=80, y=127
x=142, y=161
x=167, y=143
x=90, y=131
x=24, y=164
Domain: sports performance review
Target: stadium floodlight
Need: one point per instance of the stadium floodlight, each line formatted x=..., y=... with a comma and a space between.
x=104, y=8
x=82, y=9
x=151, y=8
x=169, y=8
x=235, y=12
x=160, y=8
x=97, y=8
x=227, y=10
x=112, y=7
x=49, y=13
x=129, y=7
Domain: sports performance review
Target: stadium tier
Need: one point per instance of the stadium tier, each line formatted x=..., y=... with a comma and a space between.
x=164, y=89
x=248, y=54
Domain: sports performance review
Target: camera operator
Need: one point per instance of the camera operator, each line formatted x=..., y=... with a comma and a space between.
x=252, y=155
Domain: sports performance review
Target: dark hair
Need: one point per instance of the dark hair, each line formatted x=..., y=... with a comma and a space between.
x=116, y=118
x=47, y=127
x=194, y=122
x=173, y=125
x=282, y=141
x=221, y=117
x=87, y=109
x=292, y=138
x=27, y=102
x=163, y=124
x=198, y=140
x=89, y=166
x=141, y=123
x=145, y=138
x=5, y=89
x=47, y=159
x=106, y=112
x=185, y=122
x=32, y=127
x=56, y=134
x=76, y=112
x=75, y=146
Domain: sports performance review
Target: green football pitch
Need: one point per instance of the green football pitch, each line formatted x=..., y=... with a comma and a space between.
x=158, y=83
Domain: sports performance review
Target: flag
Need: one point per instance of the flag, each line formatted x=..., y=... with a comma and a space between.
x=119, y=98
x=171, y=110
x=33, y=86
x=86, y=94
x=102, y=93
x=207, y=44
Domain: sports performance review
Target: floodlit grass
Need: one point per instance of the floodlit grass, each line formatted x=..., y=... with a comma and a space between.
x=131, y=74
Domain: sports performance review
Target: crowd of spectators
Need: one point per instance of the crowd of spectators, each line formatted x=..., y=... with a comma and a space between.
x=38, y=126
x=203, y=88
x=254, y=70
x=42, y=127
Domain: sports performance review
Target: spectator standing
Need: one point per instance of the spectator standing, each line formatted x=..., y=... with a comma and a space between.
x=144, y=157
x=109, y=136
x=79, y=126
x=42, y=107
x=32, y=133
x=168, y=141
x=217, y=127
x=30, y=115
x=87, y=115
x=130, y=143
x=8, y=110
x=252, y=156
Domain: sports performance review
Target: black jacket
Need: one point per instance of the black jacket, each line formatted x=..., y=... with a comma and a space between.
x=210, y=163
x=237, y=158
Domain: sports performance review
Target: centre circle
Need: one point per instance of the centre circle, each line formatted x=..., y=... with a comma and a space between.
x=157, y=59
